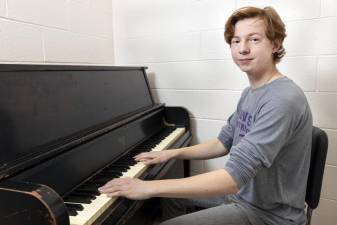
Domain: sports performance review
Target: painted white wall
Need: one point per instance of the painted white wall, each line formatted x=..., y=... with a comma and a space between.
x=190, y=65
x=62, y=31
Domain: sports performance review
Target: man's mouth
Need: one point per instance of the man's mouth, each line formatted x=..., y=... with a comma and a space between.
x=245, y=60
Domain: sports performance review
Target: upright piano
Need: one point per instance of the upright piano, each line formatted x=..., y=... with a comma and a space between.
x=66, y=130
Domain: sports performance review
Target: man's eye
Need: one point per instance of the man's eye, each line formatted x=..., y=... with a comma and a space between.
x=254, y=40
x=235, y=41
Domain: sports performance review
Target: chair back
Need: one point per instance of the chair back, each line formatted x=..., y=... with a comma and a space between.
x=319, y=151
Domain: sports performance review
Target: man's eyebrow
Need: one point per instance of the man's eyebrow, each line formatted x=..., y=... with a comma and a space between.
x=250, y=34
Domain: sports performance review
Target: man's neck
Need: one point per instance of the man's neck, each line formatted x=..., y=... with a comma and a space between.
x=261, y=79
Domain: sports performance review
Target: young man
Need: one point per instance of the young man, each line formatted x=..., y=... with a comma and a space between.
x=268, y=139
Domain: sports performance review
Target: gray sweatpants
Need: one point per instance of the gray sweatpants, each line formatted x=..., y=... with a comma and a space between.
x=218, y=211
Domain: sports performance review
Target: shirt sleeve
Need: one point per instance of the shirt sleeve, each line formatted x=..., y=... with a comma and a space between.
x=259, y=147
x=227, y=132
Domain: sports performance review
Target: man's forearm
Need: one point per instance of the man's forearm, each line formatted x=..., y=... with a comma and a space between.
x=215, y=183
x=207, y=150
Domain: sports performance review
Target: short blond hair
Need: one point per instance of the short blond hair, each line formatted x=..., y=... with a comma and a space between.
x=275, y=28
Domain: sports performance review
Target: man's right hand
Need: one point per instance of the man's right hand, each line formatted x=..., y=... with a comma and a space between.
x=155, y=157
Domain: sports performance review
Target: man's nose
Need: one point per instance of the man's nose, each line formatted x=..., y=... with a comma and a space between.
x=244, y=48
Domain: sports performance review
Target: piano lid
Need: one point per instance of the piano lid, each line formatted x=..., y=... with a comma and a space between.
x=44, y=106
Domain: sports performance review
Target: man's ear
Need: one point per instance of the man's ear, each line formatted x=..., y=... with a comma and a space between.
x=276, y=46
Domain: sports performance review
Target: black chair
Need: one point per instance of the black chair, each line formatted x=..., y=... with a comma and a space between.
x=319, y=151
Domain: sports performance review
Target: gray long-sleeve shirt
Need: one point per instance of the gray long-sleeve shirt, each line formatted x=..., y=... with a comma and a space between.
x=269, y=137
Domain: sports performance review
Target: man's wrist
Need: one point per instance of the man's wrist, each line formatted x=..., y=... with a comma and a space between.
x=152, y=189
x=175, y=153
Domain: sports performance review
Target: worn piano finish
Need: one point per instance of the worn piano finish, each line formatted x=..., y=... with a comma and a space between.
x=63, y=125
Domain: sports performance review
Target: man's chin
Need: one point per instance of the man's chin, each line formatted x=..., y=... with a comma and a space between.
x=245, y=69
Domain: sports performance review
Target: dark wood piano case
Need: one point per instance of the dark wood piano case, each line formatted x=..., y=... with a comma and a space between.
x=63, y=124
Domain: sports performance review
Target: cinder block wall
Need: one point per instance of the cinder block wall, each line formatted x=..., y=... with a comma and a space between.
x=190, y=65
x=56, y=31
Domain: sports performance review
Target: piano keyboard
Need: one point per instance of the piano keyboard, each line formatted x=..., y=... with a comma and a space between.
x=85, y=204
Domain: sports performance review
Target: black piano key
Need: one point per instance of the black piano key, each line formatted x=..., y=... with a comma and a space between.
x=111, y=173
x=78, y=199
x=148, y=146
x=120, y=164
x=83, y=194
x=86, y=193
x=74, y=206
x=72, y=212
x=132, y=163
x=123, y=161
x=119, y=168
x=98, y=183
x=111, y=176
x=91, y=188
x=99, y=180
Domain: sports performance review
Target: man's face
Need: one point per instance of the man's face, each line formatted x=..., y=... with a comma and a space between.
x=251, y=50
